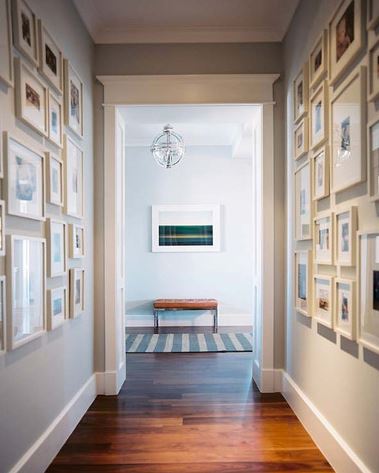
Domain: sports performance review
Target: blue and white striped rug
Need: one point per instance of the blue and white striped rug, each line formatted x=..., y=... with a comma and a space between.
x=188, y=342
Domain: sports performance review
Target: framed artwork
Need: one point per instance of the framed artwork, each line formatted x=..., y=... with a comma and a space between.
x=345, y=319
x=346, y=36
x=55, y=117
x=25, y=180
x=323, y=299
x=73, y=100
x=26, y=269
x=50, y=59
x=3, y=334
x=73, y=178
x=318, y=60
x=348, y=117
x=368, y=291
x=319, y=115
x=346, y=229
x=76, y=241
x=25, y=30
x=185, y=228
x=31, y=99
x=55, y=179
x=372, y=14
x=300, y=94
x=373, y=73
x=320, y=173
x=6, y=58
x=57, y=307
x=323, y=238
x=303, y=284
x=373, y=159
x=301, y=138
x=76, y=292
x=57, y=248
x=303, y=208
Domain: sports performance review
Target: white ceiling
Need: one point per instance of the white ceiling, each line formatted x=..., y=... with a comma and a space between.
x=186, y=21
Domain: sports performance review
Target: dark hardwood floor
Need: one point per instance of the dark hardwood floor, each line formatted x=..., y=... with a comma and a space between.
x=189, y=413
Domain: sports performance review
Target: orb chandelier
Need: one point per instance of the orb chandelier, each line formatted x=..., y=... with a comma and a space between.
x=168, y=148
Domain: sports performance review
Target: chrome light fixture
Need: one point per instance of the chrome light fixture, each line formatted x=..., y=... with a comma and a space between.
x=168, y=148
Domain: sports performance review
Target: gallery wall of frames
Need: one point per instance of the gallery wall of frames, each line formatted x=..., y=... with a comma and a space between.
x=41, y=174
x=336, y=176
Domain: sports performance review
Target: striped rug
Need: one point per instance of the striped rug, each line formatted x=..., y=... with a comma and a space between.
x=188, y=342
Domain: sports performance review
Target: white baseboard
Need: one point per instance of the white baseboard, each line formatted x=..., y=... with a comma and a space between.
x=186, y=320
x=336, y=450
x=110, y=382
x=267, y=380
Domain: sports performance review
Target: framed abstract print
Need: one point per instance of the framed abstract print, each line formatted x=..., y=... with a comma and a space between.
x=323, y=238
x=73, y=100
x=2, y=228
x=346, y=36
x=368, y=290
x=300, y=94
x=73, y=178
x=76, y=241
x=345, y=317
x=373, y=73
x=373, y=159
x=319, y=115
x=57, y=307
x=320, y=173
x=25, y=178
x=303, y=282
x=31, y=99
x=26, y=269
x=3, y=311
x=25, y=30
x=50, y=59
x=323, y=299
x=301, y=138
x=55, y=117
x=6, y=58
x=76, y=292
x=303, y=206
x=318, y=60
x=57, y=248
x=55, y=179
x=346, y=229
x=372, y=14
x=348, y=118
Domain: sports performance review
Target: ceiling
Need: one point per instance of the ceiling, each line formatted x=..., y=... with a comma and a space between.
x=186, y=21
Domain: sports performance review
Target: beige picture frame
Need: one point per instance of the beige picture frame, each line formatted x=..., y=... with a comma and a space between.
x=321, y=173
x=54, y=319
x=55, y=120
x=25, y=30
x=300, y=138
x=319, y=116
x=372, y=14
x=373, y=159
x=346, y=226
x=321, y=300
x=345, y=307
x=303, y=202
x=76, y=247
x=6, y=57
x=318, y=60
x=50, y=59
x=303, y=288
x=52, y=255
x=300, y=94
x=323, y=238
x=73, y=103
x=55, y=179
x=73, y=170
x=77, y=296
x=373, y=72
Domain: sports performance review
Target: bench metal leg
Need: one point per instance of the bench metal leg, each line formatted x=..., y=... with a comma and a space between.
x=156, y=322
x=215, y=321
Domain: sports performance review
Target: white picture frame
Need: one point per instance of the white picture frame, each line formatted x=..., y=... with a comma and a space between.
x=323, y=299
x=55, y=120
x=300, y=138
x=303, y=282
x=373, y=159
x=300, y=94
x=25, y=30
x=57, y=247
x=2, y=228
x=345, y=224
x=323, y=238
x=50, y=59
x=73, y=99
x=372, y=14
x=77, y=296
x=6, y=57
x=345, y=307
x=319, y=122
x=73, y=189
x=373, y=72
x=318, y=60
x=320, y=173
x=3, y=315
x=55, y=181
x=76, y=241
x=303, y=202
x=57, y=307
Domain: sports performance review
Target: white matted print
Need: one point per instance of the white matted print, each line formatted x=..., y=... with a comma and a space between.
x=73, y=99
x=372, y=14
x=2, y=228
x=3, y=311
x=73, y=178
x=321, y=173
x=55, y=179
x=50, y=59
x=318, y=60
x=6, y=58
x=345, y=317
x=76, y=292
x=303, y=282
x=323, y=239
x=55, y=118
x=301, y=139
x=76, y=241
x=57, y=247
x=319, y=115
x=373, y=156
x=57, y=307
x=373, y=72
x=300, y=94
x=303, y=207
x=346, y=228
x=25, y=30
x=323, y=299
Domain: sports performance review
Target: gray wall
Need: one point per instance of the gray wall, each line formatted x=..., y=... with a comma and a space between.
x=40, y=378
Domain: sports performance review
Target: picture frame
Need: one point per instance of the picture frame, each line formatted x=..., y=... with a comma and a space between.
x=73, y=160
x=55, y=120
x=2, y=228
x=3, y=315
x=76, y=241
x=318, y=60
x=57, y=307
x=303, y=202
x=25, y=30
x=77, y=296
x=323, y=238
x=6, y=57
x=373, y=72
x=320, y=173
x=300, y=94
x=323, y=299
x=73, y=99
x=319, y=122
x=26, y=289
x=55, y=179
x=301, y=138
x=25, y=180
x=50, y=59
x=31, y=99
x=303, y=282
x=184, y=228
x=345, y=224
x=348, y=128
x=57, y=247
x=373, y=159
x=372, y=14
x=345, y=308
x=347, y=36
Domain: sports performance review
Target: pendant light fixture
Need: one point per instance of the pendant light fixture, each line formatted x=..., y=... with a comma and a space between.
x=168, y=148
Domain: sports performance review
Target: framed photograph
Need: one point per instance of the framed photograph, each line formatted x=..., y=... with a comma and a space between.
x=2, y=228
x=50, y=59
x=57, y=307
x=300, y=94
x=323, y=299
x=73, y=178
x=320, y=173
x=31, y=99
x=323, y=238
x=25, y=30
x=57, y=247
x=345, y=318
x=318, y=60
x=55, y=179
x=346, y=229
x=319, y=115
x=368, y=291
x=348, y=118
x=303, y=282
x=55, y=117
x=185, y=228
x=346, y=36
x=3, y=311
x=301, y=138
x=372, y=14
x=6, y=58
x=76, y=239
x=76, y=292
x=303, y=207
x=373, y=159
x=373, y=73
x=25, y=180
x=26, y=270
x=73, y=100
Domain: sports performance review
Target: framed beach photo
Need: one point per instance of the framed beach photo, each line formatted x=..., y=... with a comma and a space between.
x=323, y=238
x=76, y=292
x=300, y=94
x=3, y=311
x=318, y=60
x=303, y=206
x=345, y=316
x=76, y=241
x=57, y=247
x=346, y=229
x=373, y=72
x=320, y=173
x=372, y=14
x=303, y=282
x=319, y=115
x=25, y=30
x=73, y=159
x=6, y=57
x=57, y=307
x=50, y=59
x=323, y=299
x=301, y=138
x=55, y=179
x=55, y=117
x=73, y=100
x=348, y=118
x=373, y=159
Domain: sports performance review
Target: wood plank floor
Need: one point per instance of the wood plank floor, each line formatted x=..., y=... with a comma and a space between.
x=190, y=413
